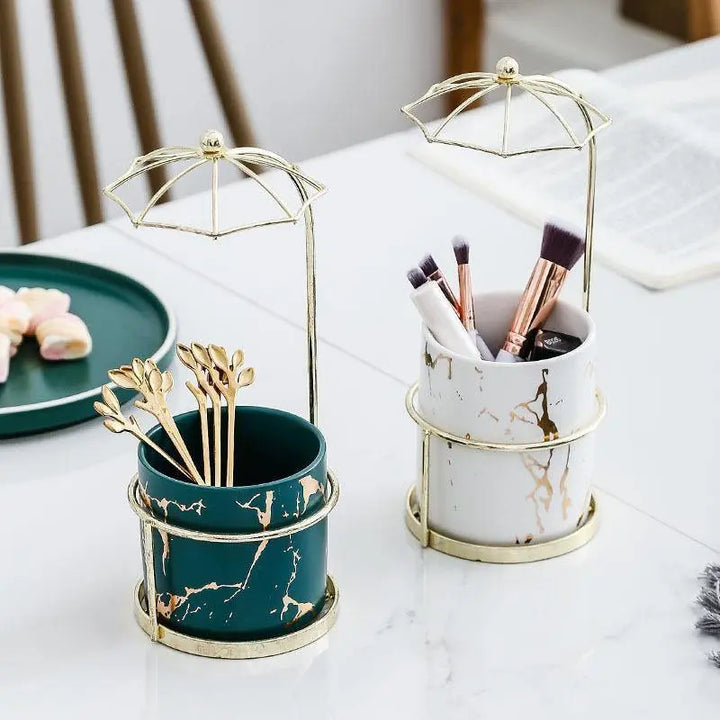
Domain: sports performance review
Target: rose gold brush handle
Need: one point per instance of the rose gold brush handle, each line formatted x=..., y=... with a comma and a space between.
x=467, y=311
x=536, y=303
x=447, y=291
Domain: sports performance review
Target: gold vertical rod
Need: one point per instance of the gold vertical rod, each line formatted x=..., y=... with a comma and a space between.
x=76, y=106
x=425, y=490
x=506, y=119
x=205, y=435
x=230, y=462
x=311, y=302
x=214, y=197
x=150, y=590
x=589, y=211
x=217, y=441
x=311, y=314
x=16, y=119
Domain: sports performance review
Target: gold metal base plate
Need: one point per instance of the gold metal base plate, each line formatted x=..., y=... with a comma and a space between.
x=500, y=553
x=243, y=649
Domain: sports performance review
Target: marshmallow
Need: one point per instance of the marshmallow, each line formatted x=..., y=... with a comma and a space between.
x=15, y=317
x=6, y=294
x=65, y=337
x=44, y=304
x=5, y=346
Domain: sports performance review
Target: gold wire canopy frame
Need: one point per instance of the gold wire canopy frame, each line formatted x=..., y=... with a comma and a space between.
x=542, y=88
x=507, y=78
x=212, y=151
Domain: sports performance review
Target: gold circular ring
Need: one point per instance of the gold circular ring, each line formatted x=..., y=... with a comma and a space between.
x=499, y=446
x=500, y=553
x=205, y=536
x=242, y=649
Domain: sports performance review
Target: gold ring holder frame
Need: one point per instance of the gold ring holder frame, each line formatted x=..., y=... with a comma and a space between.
x=505, y=79
x=416, y=513
x=212, y=151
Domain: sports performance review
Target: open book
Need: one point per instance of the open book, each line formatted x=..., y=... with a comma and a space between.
x=658, y=180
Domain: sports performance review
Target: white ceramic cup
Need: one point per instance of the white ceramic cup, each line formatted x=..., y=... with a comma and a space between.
x=508, y=498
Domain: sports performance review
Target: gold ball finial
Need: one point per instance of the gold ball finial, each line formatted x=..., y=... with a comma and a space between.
x=507, y=68
x=212, y=142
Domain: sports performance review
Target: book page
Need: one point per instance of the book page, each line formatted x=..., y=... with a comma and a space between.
x=658, y=177
x=695, y=100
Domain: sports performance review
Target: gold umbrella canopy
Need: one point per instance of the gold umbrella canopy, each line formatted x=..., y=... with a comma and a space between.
x=507, y=78
x=212, y=151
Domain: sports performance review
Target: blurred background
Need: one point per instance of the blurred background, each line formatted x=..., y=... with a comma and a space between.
x=307, y=77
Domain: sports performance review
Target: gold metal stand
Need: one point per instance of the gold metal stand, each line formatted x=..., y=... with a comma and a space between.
x=230, y=649
x=505, y=554
x=544, y=89
x=251, y=162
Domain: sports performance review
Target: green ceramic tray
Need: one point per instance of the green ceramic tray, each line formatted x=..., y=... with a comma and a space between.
x=125, y=318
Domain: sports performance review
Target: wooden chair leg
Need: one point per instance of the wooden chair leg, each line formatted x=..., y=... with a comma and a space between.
x=464, y=31
x=221, y=70
x=18, y=131
x=703, y=19
x=77, y=108
x=139, y=87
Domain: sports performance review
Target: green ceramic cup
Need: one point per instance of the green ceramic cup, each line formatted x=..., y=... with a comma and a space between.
x=240, y=591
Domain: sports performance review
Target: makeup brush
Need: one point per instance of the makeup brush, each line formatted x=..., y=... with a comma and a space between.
x=559, y=252
x=438, y=315
x=433, y=272
x=461, y=248
x=416, y=277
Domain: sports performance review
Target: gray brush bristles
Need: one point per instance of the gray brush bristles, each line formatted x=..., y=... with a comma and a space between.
x=461, y=248
x=416, y=277
x=709, y=623
x=711, y=574
x=560, y=246
x=709, y=600
x=428, y=265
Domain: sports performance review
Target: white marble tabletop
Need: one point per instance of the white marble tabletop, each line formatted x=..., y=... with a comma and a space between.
x=606, y=631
